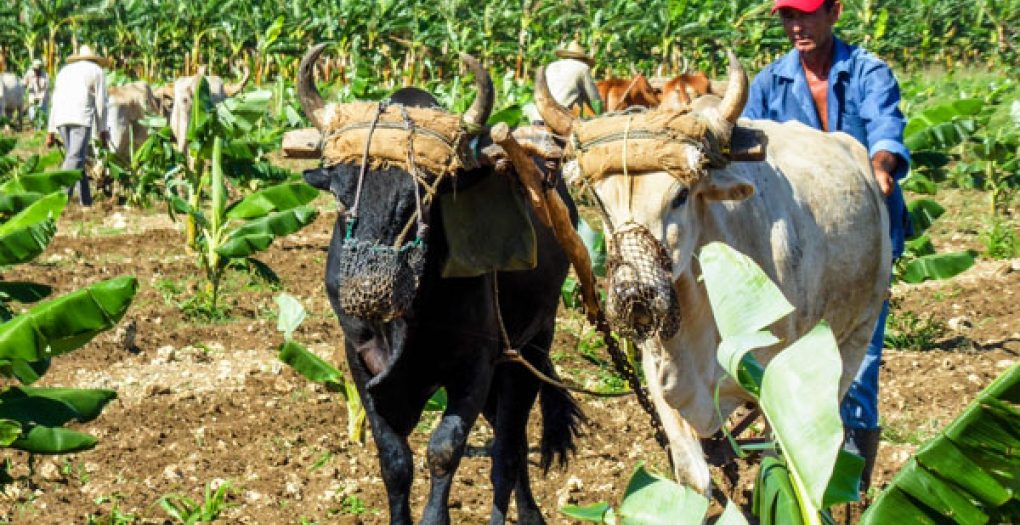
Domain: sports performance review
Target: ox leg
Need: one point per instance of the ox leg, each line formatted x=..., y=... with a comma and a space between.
x=689, y=465
x=396, y=461
x=515, y=391
x=446, y=446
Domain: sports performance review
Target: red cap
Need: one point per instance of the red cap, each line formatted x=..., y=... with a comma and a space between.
x=807, y=6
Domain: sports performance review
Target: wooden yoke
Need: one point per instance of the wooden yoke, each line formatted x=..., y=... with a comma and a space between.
x=551, y=209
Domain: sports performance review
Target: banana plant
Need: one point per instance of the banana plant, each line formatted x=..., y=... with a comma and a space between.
x=968, y=473
x=31, y=418
x=247, y=226
x=919, y=261
x=316, y=369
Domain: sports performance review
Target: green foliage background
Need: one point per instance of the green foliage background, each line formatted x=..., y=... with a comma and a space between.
x=418, y=40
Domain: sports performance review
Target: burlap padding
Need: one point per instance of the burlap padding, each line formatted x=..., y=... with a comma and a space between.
x=440, y=144
x=656, y=141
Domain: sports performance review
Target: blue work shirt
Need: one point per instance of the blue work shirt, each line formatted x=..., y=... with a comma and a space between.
x=863, y=101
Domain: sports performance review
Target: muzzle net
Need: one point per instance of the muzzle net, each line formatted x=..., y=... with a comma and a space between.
x=378, y=281
x=641, y=301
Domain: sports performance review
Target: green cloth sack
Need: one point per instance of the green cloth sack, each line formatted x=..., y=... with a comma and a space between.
x=487, y=229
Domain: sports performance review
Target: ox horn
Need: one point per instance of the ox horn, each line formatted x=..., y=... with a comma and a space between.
x=233, y=89
x=475, y=117
x=557, y=117
x=311, y=100
x=733, y=101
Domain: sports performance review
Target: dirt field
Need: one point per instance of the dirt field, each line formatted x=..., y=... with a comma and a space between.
x=207, y=402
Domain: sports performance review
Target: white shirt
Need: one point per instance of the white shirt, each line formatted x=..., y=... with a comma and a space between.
x=570, y=83
x=79, y=97
x=37, y=83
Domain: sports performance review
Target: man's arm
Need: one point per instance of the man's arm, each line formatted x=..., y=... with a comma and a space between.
x=100, y=98
x=890, y=158
x=591, y=92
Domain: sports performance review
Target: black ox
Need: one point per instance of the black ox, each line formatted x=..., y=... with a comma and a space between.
x=449, y=336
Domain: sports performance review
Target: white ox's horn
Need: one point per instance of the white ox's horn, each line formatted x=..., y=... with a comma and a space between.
x=475, y=117
x=233, y=89
x=733, y=101
x=557, y=117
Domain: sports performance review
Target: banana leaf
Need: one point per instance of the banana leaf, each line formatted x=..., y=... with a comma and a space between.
x=25, y=244
x=596, y=512
x=966, y=474
x=653, y=500
x=23, y=292
x=11, y=203
x=45, y=182
x=595, y=242
x=63, y=324
x=936, y=266
x=257, y=234
x=87, y=402
x=53, y=440
x=924, y=212
x=774, y=500
x=281, y=197
x=311, y=366
x=48, y=207
x=9, y=431
x=53, y=407
x=291, y=315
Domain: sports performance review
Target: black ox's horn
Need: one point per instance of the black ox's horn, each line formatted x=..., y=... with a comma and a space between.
x=308, y=94
x=475, y=117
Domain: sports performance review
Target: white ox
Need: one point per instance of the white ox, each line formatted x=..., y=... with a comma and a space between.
x=12, y=97
x=811, y=215
x=184, y=90
x=126, y=105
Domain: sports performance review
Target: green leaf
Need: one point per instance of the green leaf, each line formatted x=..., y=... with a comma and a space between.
x=291, y=314
x=88, y=403
x=924, y=212
x=807, y=427
x=46, y=182
x=919, y=246
x=9, y=431
x=281, y=197
x=311, y=366
x=844, y=486
x=438, y=402
x=217, y=188
x=595, y=241
x=594, y=512
x=48, y=207
x=653, y=500
x=256, y=235
x=511, y=115
x=63, y=324
x=734, y=357
x=27, y=243
x=732, y=515
x=743, y=299
x=918, y=183
x=46, y=440
x=24, y=292
x=775, y=500
x=936, y=266
x=11, y=203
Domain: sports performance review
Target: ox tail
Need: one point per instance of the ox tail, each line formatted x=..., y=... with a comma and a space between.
x=562, y=417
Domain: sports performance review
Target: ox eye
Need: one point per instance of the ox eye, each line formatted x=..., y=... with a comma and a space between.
x=681, y=198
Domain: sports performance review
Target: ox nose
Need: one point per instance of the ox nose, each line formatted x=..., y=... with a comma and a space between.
x=635, y=306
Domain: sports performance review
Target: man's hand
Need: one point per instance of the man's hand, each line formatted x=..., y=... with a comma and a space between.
x=884, y=164
x=51, y=139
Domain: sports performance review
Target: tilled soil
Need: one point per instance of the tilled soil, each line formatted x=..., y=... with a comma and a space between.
x=202, y=403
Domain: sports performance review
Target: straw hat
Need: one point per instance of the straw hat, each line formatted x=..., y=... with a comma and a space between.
x=36, y=63
x=575, y=51
x=85, y=53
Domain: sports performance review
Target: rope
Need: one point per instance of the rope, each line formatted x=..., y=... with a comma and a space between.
x=513, y=355
x=380, y=109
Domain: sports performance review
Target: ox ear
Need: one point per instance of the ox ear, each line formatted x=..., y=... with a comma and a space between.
x=725, y=186
x=319, y=178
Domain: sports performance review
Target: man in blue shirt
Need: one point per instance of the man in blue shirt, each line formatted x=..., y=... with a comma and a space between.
x=832, y=86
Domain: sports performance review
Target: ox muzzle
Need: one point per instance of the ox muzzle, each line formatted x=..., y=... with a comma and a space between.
x=642, y=301
x=379, y=282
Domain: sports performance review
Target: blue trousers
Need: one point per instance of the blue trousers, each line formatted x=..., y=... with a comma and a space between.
x=859, y=409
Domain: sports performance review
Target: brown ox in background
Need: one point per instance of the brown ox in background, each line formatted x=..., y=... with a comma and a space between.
x=676, y=93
